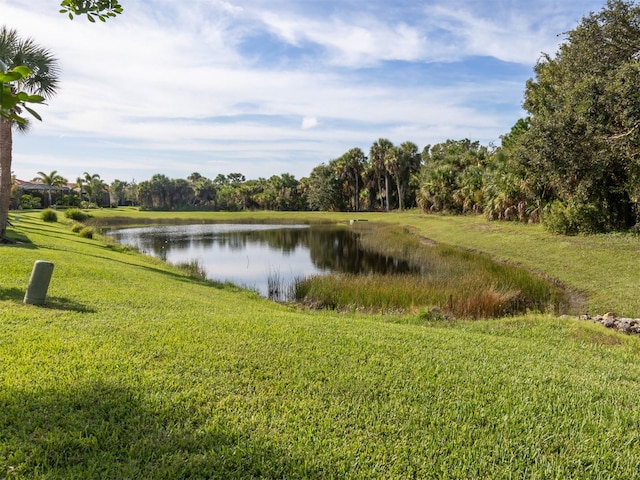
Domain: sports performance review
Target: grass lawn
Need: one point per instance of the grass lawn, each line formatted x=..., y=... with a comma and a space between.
x=135, y=370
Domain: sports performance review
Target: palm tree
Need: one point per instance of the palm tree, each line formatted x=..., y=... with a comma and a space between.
x=402, y=162
x=350, y=167
x=51, y=180
x=14, y=52
x=94, y=186
x=379, y=151
x=79, y=187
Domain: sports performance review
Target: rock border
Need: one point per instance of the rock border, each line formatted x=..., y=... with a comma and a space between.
x=619, y=324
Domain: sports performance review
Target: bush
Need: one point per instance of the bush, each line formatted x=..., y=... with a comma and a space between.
x=86, y=232
x=49, y=215
x=76, y=227
x=28, y=201
x=635, y=229
x=574, y=217
x=76, y=214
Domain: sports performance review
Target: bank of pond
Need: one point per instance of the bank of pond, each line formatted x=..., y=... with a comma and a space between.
x=363, y=266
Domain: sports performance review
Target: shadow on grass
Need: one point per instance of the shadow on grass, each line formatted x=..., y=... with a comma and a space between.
x=49, y=232
x=156, y=270
x=103, y=430
x=15, y=294
x=63, y=303
x=18, y=239
x=53, y=303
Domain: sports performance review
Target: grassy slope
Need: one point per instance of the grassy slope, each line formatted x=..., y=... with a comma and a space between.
x=133, y=370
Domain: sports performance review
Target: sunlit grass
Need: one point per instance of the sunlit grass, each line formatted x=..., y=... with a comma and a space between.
x=134, y=369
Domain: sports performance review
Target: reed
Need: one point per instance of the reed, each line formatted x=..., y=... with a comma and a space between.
x=461, y=283
x=276, y=286
x=194, y=269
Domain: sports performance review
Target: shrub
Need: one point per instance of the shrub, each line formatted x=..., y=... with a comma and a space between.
x=76, y=227
x=87, y=205
x=433, y=315
x=49, y=215
x=28, y=201
x=76, y=214
x=573, y=217
x=86, y=232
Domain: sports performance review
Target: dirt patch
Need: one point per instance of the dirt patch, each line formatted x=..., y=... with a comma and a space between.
x=427, y=242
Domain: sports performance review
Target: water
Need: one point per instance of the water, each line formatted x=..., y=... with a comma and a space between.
x=256, y=256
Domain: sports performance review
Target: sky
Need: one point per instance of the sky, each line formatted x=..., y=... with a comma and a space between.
x=264, y=88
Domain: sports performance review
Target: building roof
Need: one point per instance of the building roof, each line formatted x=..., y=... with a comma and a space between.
x=25, y=185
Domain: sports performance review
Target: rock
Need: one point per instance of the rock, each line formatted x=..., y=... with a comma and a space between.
x=610, y=320
x=624, y=327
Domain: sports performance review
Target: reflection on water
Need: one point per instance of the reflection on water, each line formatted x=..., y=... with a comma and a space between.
x=249, y=255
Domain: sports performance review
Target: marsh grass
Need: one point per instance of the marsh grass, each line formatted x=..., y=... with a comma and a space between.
x=194, y=269
x=86, y=232
x=77, y=226
x=461, y=283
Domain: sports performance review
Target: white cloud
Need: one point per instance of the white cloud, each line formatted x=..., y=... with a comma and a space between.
x=309, y=122
x=166, y=87
x=510, y=35
x=352, y=42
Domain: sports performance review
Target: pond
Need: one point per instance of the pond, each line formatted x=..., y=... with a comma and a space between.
x=265, y=258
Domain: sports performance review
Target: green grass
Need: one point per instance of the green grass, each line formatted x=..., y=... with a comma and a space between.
x=135, y=369
x=603, y=267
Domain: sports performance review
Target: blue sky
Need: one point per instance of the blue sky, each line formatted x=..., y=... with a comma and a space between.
x=270, y=87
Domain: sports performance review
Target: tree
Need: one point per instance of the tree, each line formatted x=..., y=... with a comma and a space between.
x=156, y=193
x=122, y=192
x=279, y=192
x=80, y=188
x=350, y=167
x=94, y=186
x=43, y=81
x=377, y=155
x=100, y=9
x=402, y=162
x=511, y=190
x=584, y=133
x=204, y=190
x=182, y=194
x=451, y=176
x=51, y=180
x=324, y=191
x=370, y=183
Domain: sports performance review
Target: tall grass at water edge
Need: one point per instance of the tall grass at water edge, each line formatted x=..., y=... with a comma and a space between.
x=193, y=268
x=460, y=283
